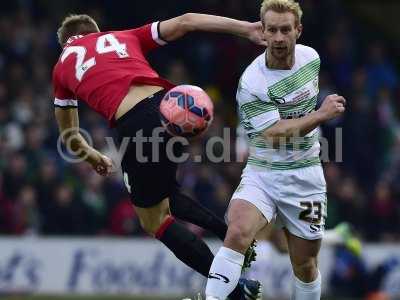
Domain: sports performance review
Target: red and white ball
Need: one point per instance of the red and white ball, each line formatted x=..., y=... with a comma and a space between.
x=186, y=110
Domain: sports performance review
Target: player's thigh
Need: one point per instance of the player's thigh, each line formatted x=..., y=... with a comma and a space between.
x=246, y=215
x=302, y=251
x=152, y=217
x=244, y=221
x=250, y=209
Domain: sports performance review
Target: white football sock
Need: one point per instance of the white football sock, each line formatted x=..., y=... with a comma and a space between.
x=307, y=291
x=224, y=273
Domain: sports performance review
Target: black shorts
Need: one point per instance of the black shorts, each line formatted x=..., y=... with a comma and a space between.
x=149, y=173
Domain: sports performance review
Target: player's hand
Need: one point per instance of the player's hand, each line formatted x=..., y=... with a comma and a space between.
x=256, y=34
x=102, y=164
x=332, y=107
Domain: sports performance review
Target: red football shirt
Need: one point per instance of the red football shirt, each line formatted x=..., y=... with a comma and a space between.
x=99, y=68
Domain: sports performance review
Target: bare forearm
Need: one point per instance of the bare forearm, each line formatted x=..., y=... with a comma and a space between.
x=288, y=129
x=79, y=146
x=177, y=27
x=210, y=23
x=68, y=124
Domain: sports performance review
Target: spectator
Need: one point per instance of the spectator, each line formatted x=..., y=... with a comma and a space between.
x=383, y=210
x=123, y=220
x=65, y=215
x=26, y=213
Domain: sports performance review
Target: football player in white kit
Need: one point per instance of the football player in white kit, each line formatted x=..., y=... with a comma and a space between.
x=283, y=179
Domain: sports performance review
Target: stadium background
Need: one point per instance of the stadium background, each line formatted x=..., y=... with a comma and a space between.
x=359, y=46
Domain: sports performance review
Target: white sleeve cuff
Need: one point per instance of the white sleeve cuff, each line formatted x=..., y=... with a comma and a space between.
x=65, y=102
x=155, y=33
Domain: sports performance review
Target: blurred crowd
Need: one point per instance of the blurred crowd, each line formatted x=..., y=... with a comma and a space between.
x=40, y=193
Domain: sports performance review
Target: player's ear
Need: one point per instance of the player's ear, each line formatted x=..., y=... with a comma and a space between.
x=299, y=30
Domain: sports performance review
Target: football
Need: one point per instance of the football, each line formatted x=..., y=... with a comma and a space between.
x=186, y=110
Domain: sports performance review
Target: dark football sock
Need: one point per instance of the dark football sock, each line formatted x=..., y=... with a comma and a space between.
x=185, y=208
x=236, y=294
x=189, y=249
x=186, y=246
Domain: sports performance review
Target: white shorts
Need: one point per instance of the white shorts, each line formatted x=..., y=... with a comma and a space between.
x=296, y=198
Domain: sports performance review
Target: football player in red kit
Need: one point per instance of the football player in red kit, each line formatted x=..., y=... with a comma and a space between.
x=109, y=71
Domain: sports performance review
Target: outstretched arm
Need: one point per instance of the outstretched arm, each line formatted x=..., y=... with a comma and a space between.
x=68, y=123
x=175, y=28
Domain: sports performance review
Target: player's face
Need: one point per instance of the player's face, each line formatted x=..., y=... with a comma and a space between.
x=281, y=33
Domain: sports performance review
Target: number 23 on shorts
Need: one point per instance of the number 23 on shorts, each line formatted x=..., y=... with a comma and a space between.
x=313, y=211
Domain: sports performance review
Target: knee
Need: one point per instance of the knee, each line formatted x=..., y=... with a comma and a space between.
x=152, y=225
x=239, y=237
x=306, y=270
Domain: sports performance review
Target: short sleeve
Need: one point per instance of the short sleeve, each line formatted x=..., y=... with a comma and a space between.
x=149, y=36
x=63, y=97
x=256, y=115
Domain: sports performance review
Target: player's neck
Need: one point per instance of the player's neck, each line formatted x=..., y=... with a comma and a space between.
x=279, y=64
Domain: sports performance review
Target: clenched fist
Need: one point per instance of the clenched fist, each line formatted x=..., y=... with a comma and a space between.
x=332, y=107
x=102, y=164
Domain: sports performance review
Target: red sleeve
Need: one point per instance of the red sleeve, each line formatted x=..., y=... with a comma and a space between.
x=149, y=36
x=62, y=96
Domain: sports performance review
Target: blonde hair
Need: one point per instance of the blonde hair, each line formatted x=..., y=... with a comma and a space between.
x=76, y=25
x=282, y=6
